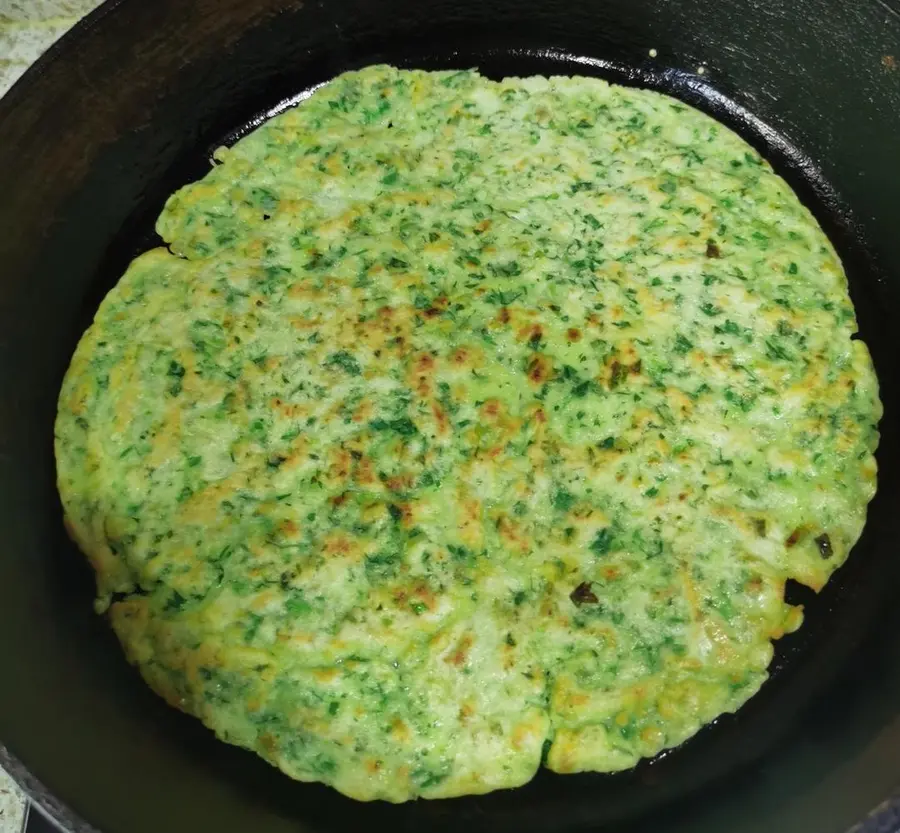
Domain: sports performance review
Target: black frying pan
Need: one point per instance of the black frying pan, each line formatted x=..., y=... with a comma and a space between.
x=127, y=108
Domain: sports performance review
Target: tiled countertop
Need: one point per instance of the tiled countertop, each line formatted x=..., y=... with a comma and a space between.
x=27, y=28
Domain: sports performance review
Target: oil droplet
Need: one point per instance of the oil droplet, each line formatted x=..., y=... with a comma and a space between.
x=653, y=53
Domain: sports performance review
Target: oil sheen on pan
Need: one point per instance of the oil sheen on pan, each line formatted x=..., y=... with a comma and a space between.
x=469, y=426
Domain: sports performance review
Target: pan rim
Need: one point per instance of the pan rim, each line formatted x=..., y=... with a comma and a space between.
x=60, y=812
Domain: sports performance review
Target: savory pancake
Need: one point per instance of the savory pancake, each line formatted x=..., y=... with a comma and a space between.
x=467, y=425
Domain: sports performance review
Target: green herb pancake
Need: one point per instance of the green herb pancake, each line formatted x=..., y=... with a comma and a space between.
x=467, y=426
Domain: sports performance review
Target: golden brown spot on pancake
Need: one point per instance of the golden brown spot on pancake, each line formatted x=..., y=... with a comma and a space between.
x=460, y=355
x=400, y=482
x=400, y=730
x=365, y=473
x=532, y=333
x=461, y=653
x=340, y=544
x=289, y=528
x=492, y=408
x=611, y=572
x=442, y=421
x=404, y=511
x=511, y=533
x=341, y=464
x=539, y=369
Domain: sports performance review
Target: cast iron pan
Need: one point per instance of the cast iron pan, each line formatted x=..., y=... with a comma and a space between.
x=127, y=108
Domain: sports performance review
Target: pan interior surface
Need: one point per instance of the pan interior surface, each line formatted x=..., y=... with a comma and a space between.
x=401, y=388
x=124, y=761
